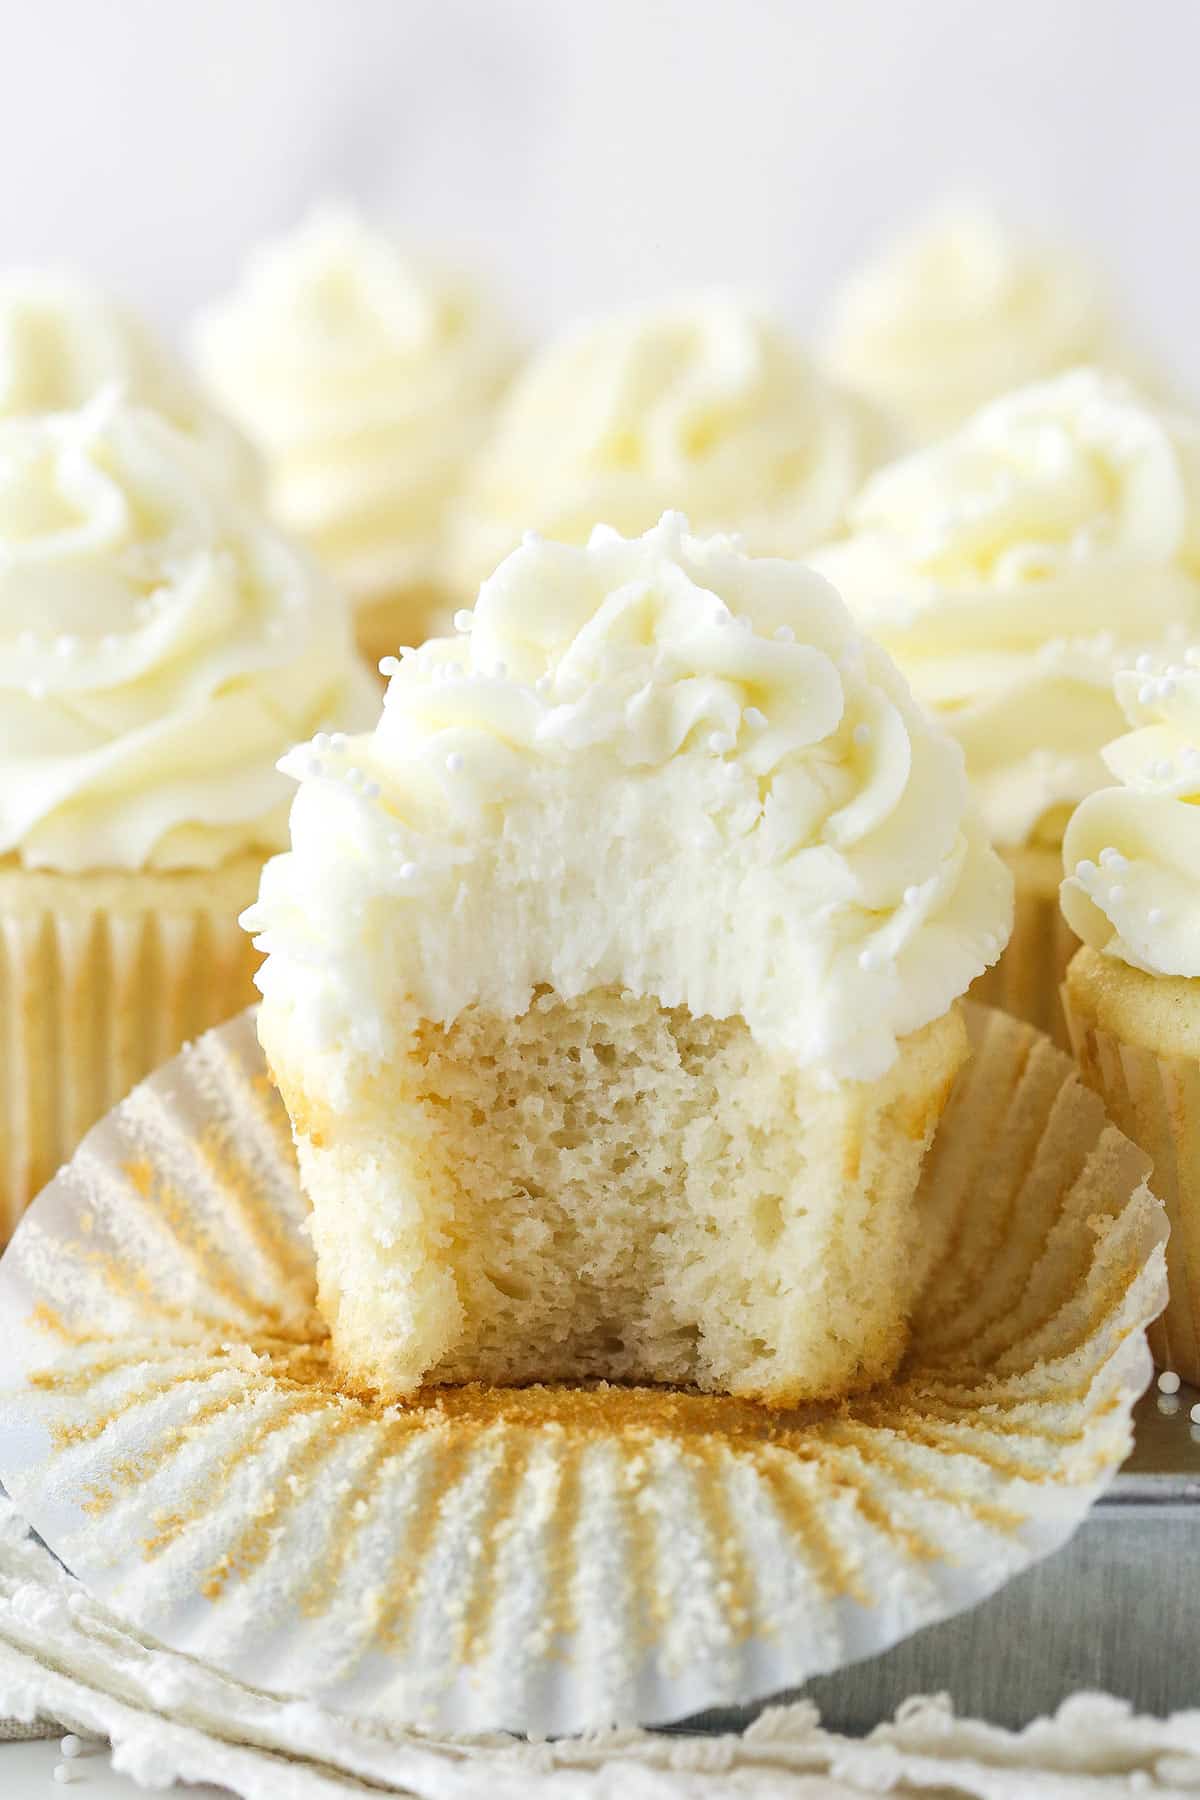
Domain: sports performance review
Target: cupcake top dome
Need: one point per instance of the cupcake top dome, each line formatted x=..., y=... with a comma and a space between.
x=367, y=378
x=1011, y=568
x=62, y=341
x=706, y=405
x=652, y=762
x=160, y=648
x=1132, y=851
x=961, y=310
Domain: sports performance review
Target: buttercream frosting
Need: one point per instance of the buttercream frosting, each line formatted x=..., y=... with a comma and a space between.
x=655, y=762
x=705, y=405
x=160, y=648
x=964, y=309
x=367, y=378
x=1132, y=852
x=1013, y=567
x=62, y=341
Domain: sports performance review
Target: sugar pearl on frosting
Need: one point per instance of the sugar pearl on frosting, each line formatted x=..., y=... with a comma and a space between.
x=406, y=871
x=389, y=666
x=1155, y=916
x=454, y=762
x=755, y=718
x=784, y=634
x=464, y=618
x=911, y=896
x=1144, y=664
x=862, y=735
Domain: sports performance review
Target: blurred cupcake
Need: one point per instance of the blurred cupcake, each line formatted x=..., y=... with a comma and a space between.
x=1132, y=995
x=962, y=310
x=1005, y=569
x=612, y=983
x=63, y=340
x=706, y=406
x=160, y=648
x=367, y=379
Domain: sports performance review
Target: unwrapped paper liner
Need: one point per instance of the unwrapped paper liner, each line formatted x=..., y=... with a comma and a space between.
x=65, y=1658
x=1155, y=1100
x=553, y=1560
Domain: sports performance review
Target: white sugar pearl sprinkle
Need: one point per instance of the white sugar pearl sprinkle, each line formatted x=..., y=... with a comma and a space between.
x=862, y=735
x=755, y=718
x=1144, y=664
x=407, y=871
x=1194, y=1415
x=321, y=741
x=784, y=635
x=1116, y=892
x=454, y=762
x=718, y=743
x=1168, y=1382
x=64, y=1772
x=1154, y=916
x=464, y=618
x=389, y=666
x=911, y=896
x=870, y=959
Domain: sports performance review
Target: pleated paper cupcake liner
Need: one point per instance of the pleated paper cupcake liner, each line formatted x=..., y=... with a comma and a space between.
x=93, y=997
x=1027, y=979
x=1155, y=1100
x=554, y=1559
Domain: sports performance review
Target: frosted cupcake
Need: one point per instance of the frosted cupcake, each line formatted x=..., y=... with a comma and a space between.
x=1132, y=894
x=160, y=648
x=63, y=340
x=368, y=380
x=611, y=983
x=706, y=405
x=962, y=310
x=1005, y=569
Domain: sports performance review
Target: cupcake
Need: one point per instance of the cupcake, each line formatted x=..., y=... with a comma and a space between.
x=611, y=983
x=963, y=310
x=367, y=380
x=1132, y=994
x=1005, y=569
x=62, y=341
x=707, y=406
x=160, y=648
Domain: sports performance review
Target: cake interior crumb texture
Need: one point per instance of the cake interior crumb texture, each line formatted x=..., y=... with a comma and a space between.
x=607, y=1187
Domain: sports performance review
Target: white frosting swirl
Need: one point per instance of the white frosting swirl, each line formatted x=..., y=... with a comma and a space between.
x=706, y=406
x=1132, y=853
x=1010, y=569
x=651, y=762
x=160, y=648
x=961, y=311
x=62, y=342
x=368, y=380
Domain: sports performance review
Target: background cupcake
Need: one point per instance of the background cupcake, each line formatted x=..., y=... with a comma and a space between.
x=1005, y=568
x=367, y=379
x=160, y=648
x=963, y=309
x=63, y=339
x=611, y=983
x=705, y=405
x=1132, y=995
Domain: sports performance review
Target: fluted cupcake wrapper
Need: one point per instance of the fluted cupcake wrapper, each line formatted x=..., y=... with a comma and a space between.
x=1155, y=1100
x=552, y=1559
x=1026, y=980
x=93, y=997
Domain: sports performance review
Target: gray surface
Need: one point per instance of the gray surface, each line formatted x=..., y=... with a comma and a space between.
x=1116, y=1610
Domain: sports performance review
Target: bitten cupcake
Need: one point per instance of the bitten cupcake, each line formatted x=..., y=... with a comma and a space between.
x=1132, y=994
x=367, y=379
x=1005, y=569
x=611, y=983
x=160, y=648
x=960, y=311
x=63, y=340
x=705, y=405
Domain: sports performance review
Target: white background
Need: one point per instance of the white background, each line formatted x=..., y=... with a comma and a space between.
x=588, y=151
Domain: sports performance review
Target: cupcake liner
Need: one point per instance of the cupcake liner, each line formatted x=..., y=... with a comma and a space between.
x=92, y=998
x=554, y=1559
x=1026, y=980
x=1155, y=1100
